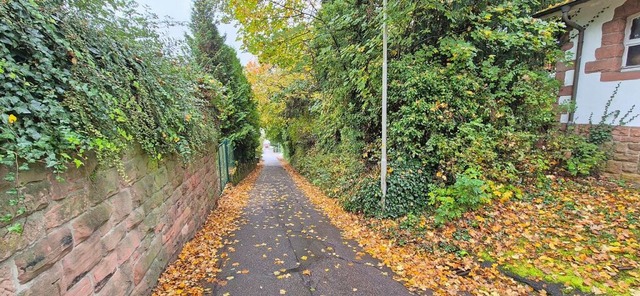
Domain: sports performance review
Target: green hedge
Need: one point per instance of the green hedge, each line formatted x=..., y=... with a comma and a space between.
x=91, y=75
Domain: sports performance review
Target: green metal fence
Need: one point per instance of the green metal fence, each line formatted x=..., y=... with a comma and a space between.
x=226, y=163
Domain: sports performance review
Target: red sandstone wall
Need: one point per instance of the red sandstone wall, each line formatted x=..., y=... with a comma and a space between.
x=96, y=234
x=625, y=161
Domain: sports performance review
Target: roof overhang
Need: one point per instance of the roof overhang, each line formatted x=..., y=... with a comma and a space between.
x=557, y=7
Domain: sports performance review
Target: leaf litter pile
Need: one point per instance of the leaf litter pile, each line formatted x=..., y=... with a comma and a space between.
x=198, y=260
x=581, y=235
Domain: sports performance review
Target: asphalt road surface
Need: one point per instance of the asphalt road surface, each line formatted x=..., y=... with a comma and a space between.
x=287, y=247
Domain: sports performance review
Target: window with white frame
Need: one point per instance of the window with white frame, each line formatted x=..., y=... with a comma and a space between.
x=632, y=43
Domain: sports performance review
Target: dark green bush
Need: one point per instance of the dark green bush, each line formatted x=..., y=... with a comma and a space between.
x=408, y=189
x=573, y=154
x=333, y=172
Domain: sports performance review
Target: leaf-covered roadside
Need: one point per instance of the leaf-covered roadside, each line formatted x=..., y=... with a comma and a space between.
x=583, y=235
x=415, y=268
x=198, y=260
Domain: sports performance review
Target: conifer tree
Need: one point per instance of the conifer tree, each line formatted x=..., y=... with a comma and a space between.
x=239, y=115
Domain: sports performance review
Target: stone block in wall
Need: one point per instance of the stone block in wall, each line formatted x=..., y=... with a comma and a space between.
x=635, y=177
x=614, y=167
x=36, y=196
x=621, y=131
x=74, y=204
x=170, y=233
x=614, y=26
x=61, y=189
x=134, y=219
x=630, y=167
x=625, y=157
x=142, y=288
x=103, y=272
x=607, y=65
x=128, y=245
x=149, y=281
x=47, y=283
x=619, y=76
x=610, y=51
x=156, y=268
x=141, y=190
x=122, y=205
x=152, y=202
x=625, y=161
x=161, y=180
x=633, y=153
x=82, y=288
x=135, y=168
x=177, y=176
x=631, y=139
x=150, y=222
x=33, y=229
x=37, y=172
x=77, y=264
x=7, y=286
x=104, y=183
x=162, y=259
x=113, y=237
x=85, y=225
x=119, y=284
x=612, y=39
x=43, y=254
x=145, y=259
x=152, y=166
x=75, y=177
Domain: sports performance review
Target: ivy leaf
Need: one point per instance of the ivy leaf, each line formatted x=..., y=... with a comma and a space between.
x=37, y=106
x=78, y=162
x=15, y=228
x=21, y=110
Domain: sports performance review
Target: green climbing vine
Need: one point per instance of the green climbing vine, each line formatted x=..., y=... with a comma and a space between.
x=88, y=75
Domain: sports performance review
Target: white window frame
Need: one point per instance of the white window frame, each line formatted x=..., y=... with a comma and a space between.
x=628, y=42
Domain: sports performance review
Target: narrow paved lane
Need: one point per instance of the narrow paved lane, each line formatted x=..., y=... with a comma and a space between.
x=287, y=247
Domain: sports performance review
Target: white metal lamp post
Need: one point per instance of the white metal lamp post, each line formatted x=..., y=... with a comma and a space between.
x=383, y=162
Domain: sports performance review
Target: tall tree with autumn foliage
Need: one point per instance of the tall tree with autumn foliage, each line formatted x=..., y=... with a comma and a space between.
x=274, y=92
x=238, y=111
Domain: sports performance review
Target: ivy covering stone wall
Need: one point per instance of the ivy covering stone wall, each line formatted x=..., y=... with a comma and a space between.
x=99, y=234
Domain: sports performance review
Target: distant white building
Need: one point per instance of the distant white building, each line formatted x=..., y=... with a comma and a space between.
x=605, y=41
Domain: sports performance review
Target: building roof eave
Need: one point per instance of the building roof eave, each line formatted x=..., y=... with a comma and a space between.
x=557, y=7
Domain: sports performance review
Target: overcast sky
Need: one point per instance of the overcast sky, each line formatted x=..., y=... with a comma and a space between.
x=180, y=10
